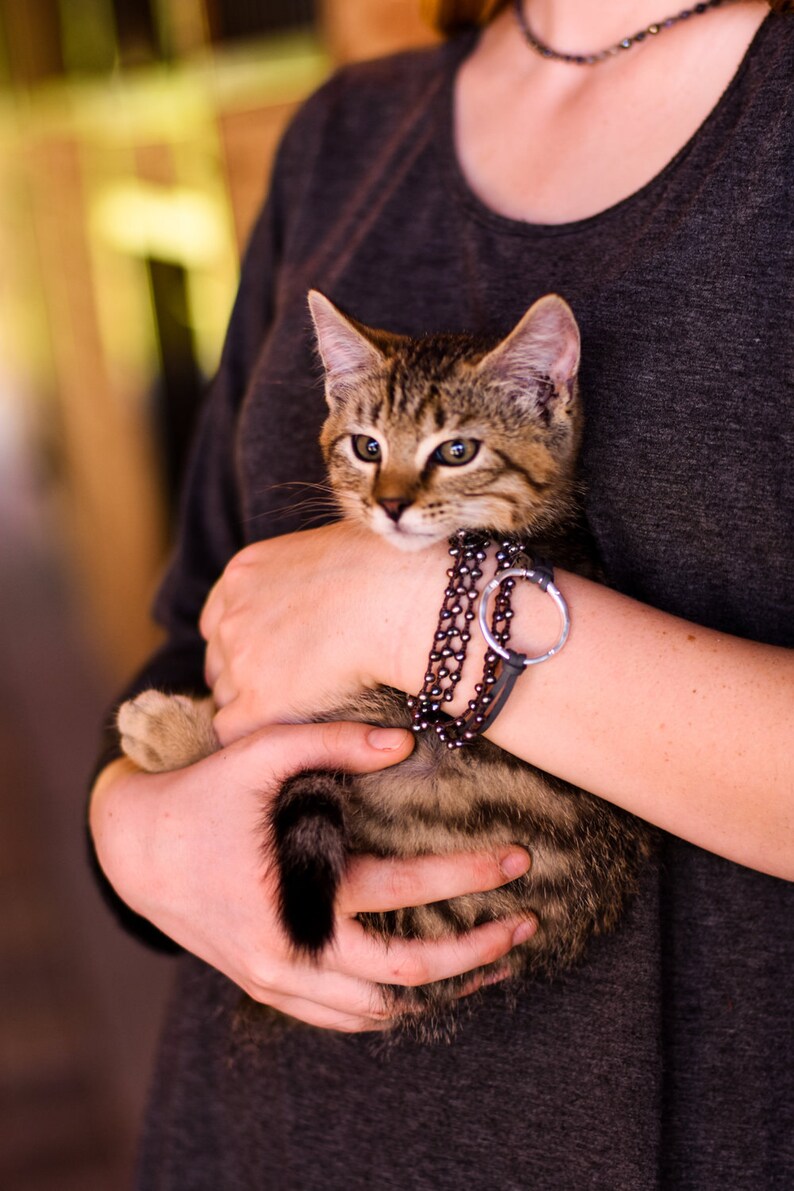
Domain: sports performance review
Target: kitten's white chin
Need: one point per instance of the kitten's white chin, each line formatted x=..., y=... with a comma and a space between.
x=408, y=541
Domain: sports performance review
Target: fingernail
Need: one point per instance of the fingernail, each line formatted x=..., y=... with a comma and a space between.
x=523, y=931
x=515, y=862
x=497, y=977
x=387, y=740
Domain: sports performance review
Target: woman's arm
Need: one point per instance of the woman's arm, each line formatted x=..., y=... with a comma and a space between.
x=681, y=725
x=686, y=727
x=185, y=851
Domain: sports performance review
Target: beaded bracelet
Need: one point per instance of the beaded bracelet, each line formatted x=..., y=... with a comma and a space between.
x=502, y=666
x=445, y=664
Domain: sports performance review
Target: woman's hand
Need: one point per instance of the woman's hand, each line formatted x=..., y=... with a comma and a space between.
x=185, y=850
x=296, y=623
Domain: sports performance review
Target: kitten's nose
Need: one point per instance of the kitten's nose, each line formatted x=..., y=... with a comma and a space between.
x=394, y=508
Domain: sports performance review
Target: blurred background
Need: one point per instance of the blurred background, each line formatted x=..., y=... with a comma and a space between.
x=135, y=143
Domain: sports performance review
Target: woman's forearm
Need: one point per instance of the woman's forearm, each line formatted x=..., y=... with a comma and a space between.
x=688, y=728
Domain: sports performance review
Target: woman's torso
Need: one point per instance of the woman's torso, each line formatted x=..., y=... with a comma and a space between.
x=663, y=1060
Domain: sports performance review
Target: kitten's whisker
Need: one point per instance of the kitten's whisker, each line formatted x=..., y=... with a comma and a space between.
x=322, y=518
x=317, y=519
x=320, y=486
x=318, y=496
x=302, y=511
x=310, y=502
x=319, y=507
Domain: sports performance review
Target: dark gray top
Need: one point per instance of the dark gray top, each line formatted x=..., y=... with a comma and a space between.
x=666, y=1060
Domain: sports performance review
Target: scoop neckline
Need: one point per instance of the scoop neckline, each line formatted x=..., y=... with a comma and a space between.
x=487, y=214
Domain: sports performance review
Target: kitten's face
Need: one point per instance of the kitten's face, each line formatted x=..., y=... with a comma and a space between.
x=425, y=437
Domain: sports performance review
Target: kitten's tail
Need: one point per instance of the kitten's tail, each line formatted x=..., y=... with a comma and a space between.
x=309, y=839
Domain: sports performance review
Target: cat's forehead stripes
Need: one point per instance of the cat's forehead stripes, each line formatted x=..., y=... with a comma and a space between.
x=419, y=374
x=429, y=408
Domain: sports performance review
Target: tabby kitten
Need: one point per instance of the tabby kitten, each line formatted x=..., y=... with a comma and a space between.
x=423, y=437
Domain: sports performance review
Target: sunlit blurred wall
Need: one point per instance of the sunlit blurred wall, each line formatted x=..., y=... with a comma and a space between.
x=135, y=142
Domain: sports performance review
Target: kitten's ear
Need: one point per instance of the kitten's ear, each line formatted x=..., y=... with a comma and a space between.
x=346, y=352
x=545, y=344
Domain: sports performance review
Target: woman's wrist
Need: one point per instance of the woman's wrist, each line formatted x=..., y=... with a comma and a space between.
x=121, y=827
x=408, y=598
x=413, y=596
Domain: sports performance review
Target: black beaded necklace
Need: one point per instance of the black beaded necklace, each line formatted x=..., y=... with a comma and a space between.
x=612, y=51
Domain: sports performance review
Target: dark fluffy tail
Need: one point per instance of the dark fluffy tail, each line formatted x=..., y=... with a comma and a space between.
x=310, y=844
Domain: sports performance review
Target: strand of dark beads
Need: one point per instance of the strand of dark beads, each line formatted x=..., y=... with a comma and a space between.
x=468, y=549
x=452, y=636
x=625, y=43
x=466, y=727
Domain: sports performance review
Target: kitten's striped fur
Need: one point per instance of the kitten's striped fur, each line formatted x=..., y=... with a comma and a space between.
x=402, y=415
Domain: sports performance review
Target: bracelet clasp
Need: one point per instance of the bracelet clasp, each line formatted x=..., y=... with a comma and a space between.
x=542, y=576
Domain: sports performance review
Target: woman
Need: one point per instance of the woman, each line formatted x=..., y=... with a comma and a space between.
x=446, y=189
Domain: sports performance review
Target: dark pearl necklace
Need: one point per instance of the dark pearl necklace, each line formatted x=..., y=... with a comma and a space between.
x=612, y=51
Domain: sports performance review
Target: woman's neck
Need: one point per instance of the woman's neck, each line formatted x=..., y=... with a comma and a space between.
x=553, y=142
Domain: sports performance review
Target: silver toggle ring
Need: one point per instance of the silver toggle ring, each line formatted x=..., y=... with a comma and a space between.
x=537, y=577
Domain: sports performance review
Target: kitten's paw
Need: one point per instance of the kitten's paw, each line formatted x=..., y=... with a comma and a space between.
x=163, y=732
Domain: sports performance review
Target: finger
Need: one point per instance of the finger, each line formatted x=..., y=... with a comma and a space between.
x=213, y=663
x=484, y=980
x=356, y=748
x=212, y=611
x=372, y=885
x=415, y=962
x=314, y=1014
x=347, y=995
x=224, y=692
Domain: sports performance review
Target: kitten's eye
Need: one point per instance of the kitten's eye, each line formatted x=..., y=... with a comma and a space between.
x=366, y=448
x=456, y=451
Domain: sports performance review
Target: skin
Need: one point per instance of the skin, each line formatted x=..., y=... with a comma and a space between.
x=688, y=728
x=589, y=136
x=185, y=849
x=685, y=727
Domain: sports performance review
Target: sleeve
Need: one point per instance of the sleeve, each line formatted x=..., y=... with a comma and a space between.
x=209, y=526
